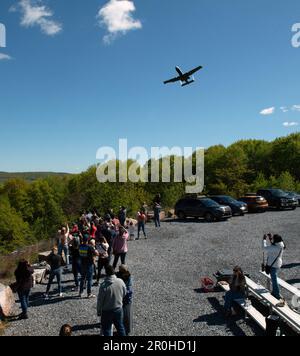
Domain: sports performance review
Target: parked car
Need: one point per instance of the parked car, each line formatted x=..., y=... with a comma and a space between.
x=255, y=203
x=237, y=207
x=202, y=208
x=278, y=199
x=294, y=195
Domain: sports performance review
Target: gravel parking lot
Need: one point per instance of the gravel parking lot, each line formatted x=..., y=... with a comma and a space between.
x=166, y=269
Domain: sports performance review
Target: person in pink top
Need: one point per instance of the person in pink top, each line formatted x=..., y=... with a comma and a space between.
x=120, y=247
x=93, y=231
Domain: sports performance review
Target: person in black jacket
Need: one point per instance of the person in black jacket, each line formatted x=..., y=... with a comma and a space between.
x=24, y=283
x=56, y=262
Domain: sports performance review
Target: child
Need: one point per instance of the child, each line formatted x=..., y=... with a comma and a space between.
x=131, y=229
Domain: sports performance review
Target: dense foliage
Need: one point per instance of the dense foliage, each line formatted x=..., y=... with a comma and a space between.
x=32, y=211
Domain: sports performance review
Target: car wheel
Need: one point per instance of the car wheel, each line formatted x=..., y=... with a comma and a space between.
x=181, y=215
x=209, y=217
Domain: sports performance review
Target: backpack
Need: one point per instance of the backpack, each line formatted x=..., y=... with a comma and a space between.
x=76, y=243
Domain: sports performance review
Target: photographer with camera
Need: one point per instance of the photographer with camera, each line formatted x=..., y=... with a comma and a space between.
x=274, y=252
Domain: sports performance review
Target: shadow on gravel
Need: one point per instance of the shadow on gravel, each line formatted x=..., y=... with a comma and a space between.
x=86, y=327
x=293, y=281
x=40, y=301
x=291, y=265
x=189, y=221
x=218, y=318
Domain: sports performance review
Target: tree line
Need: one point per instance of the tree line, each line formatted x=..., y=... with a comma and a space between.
x=32, y=211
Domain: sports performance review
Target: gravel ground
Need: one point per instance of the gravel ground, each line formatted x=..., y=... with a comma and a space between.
x=166, y=270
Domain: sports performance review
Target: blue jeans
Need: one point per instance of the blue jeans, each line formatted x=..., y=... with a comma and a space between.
x=86, y=276
x=65, y=249
x=24, y=300
x=54, y=273
x=230, y=298
x=76, y=269
x=275, y=285
x=110, y=318
x=141, y=226
x=157, y=217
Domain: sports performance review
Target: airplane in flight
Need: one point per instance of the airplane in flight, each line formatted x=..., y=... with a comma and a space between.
x=184, y=78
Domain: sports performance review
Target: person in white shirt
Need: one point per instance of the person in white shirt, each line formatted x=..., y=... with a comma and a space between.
x=274, y=252
x=131, y=230
x=63, y=243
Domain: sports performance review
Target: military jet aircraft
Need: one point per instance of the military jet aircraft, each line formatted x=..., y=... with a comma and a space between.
x=184, y=78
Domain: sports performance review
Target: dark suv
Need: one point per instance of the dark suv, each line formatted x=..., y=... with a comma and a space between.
x=294, y=195
x=237, y=207
x=202, y=208
x=278, y=199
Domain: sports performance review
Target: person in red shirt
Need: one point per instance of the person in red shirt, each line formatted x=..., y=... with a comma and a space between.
x=93, y=231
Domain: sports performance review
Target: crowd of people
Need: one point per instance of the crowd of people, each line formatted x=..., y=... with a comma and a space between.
x=91, y=245
x=94, y=244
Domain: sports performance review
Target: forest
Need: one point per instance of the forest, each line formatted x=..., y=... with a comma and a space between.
x=33, y=210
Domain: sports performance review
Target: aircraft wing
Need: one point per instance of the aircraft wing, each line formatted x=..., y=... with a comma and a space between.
x=193, y=71
x=173, y=80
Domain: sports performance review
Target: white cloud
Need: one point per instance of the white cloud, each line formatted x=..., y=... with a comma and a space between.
x=117, y=17
x=296, y=107
x=4, y=57
x=268, y=111
x=284, y=109
x=34, y=13
x=290, y=124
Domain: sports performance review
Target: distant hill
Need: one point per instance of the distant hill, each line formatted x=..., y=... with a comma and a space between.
x=29, y=176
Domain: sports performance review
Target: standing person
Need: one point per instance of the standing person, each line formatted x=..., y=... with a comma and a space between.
x=56, y=262
x=93, y=231
x=237, y=289
x=157, y=210
x=141, y=218
x=86, y=253
x=74, y=251
x=122, y=215
x=24, y=283
x=92, y=243
x=125, y=275
x=103, y=261
x=63, y=243
x=110, y=303
x=131, y=230
x=274, y=259
x=120, y=246
x=116, y=222
x=109, y=235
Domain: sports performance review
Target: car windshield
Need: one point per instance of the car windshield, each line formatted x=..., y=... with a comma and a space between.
x=278, y=193
x=209, y=202
x=228, y=200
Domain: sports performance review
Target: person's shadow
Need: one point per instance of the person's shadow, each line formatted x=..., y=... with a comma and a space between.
x=86, y=327
x=291, y=265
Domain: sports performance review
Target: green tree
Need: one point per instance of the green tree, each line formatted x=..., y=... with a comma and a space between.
x=14, y=232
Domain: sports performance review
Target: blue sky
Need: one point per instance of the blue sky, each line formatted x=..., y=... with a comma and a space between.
x=70, y=84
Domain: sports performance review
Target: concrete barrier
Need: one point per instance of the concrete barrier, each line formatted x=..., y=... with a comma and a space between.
x=7, y=300
x=39, y=275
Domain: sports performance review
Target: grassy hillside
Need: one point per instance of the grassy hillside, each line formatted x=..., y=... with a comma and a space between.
x=29, y=176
